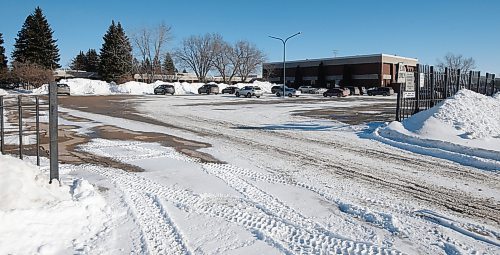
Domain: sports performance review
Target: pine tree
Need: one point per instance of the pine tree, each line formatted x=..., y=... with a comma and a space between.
x=3, y=58
x=35, y=44
x=168, y=65
x=79, y=62
x=92, y=61
x=116, y=55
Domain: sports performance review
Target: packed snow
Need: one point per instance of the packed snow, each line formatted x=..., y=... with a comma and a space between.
x=41, y=218
x=82, y=86
x=467, y=124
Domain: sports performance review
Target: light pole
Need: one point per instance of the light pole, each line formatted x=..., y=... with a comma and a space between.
x=284, y=58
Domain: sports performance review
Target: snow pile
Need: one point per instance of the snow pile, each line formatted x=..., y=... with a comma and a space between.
x=80, y=86
x=41, y=218
x=467, y=124
x=3, y=92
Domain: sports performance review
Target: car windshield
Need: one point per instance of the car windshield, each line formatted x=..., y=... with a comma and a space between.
x=256, y=88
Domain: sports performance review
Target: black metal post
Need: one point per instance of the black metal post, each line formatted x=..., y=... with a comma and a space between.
x=478, y=81
x=37, y=116
x=417, y=90
x=53, y=132
x=20, y=122
x=446, y=81
x=459, y=78
x=469, y=82
x=433, y=85
x=398, y=103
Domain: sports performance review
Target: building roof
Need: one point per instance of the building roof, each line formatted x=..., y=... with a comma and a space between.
x=357, y=59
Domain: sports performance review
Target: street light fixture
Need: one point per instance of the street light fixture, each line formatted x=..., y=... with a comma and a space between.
x=284, y=59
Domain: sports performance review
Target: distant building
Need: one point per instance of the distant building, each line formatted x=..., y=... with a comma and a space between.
x=69, y=74
x=188, y=77
x=363, y=70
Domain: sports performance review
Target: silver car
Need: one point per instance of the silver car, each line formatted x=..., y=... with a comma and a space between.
x=63, y=89
x=249, y=91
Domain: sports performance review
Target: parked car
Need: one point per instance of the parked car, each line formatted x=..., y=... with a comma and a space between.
x=384, y=91
x=276, y=88
x=249, y=91
x=363, y=91
x=353, y=90
x=229, y=90
x=209, y=89
x=336, y=92
x=289, y=92
x=164, y=89
x=63, y=89
x=9, y=85
x=308, y=89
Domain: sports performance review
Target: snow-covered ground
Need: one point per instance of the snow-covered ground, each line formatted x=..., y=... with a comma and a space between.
x=285, y=183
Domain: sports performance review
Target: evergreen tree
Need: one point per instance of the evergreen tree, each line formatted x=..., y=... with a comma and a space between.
x=92, y=61
x=3, y=58
x=168, y=65
x=79, y=62
x=116, y=55
x=34, y=42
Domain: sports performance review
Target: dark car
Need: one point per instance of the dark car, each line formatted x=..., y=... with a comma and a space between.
x=9, y=86
x=165, y=89
x=275, y=89
x=384, y=91
x=63, y=89
x=229, y=90
x=209, y=89
x=335, y=92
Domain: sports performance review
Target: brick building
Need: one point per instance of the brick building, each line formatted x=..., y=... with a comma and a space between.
x=363, y=70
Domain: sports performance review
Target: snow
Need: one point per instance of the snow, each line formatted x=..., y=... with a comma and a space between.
x=464, y=128
x=80, y=86
x=41, y=218
x=3, y=92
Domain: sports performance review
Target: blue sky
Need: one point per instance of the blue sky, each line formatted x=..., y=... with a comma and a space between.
x=423, y=29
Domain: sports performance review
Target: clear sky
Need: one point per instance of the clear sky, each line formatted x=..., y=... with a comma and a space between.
x=423, y=29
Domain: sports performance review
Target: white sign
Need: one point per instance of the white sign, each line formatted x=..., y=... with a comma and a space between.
x=410, y=81
x=422, y=79
x=401, y=73
x=408, y=94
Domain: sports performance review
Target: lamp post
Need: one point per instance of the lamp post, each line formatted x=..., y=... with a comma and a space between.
x=284, y=58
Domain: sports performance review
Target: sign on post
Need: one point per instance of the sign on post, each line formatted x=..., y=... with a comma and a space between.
x=421, y=77
x=410, y=81
x=401, y=78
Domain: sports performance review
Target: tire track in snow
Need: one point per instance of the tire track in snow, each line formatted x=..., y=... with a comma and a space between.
x=261, y=213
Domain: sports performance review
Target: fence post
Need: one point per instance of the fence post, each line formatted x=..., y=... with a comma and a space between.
x=37, y=121
x=469, y=81
x=1, y=126
x=398, y=103
x=20, y=123
x=53, y=133
x=459, y=78
x=492, y=84
x=417, y=90
x=446, y=79
x=478, y=81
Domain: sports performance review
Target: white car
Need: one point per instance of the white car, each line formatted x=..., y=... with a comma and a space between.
x=289, y=92
x=308, y=89
x=249, y=91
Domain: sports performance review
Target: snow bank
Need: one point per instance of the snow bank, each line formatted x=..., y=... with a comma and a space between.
x=39, y=218
x=467, y=124
x=3, y=92
x=81, y=86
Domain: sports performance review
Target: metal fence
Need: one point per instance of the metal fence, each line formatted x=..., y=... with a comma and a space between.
x=432, y=87
x=24, y=108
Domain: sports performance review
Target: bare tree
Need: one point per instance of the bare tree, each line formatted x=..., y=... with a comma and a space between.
x=197, y=54
x=251, y=58
x=31, y=74
x=453, y=61
x=150, y=43
x=226, y=60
